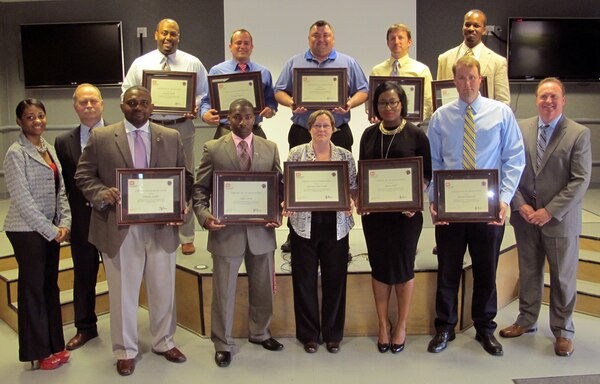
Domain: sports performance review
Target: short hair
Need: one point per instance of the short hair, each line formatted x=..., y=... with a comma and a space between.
x=84, y=85
x=30, y=102
x=320, y=23
x=139, y=88
x=313, y=117
x=477, y=11
x=168, y=21
x=389, y=86
x=240, y=103
x=467, y=61
x=398, y=27
x=241, y=30
x=551, y=80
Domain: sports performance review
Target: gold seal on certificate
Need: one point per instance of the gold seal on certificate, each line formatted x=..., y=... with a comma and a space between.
x=390, y=185
x=315, y=88
x=172, y=92
x=467, y=195
x=444, y=91
x=412, y=86
x=224, y=89
x=316, y=186
x=150, y=195
x=246, y=197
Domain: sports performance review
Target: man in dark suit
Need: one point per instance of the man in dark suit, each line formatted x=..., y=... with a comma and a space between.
x=88, y=104
x=133, y=252
x=230, y=245
x=547, y=214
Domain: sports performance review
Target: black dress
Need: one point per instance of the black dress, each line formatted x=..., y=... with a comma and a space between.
x=392, y=237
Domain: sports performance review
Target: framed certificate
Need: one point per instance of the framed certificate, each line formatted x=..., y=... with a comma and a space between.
x=412, y=86
x=444, y=91
x=316, y=186
x=224, y=89
x=390, y=185
x=150, y=195
x=324, y=88
x=246, y=197
x=467, y=195
x=172, y=92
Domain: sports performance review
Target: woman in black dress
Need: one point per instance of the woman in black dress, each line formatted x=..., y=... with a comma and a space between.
x=392, y=237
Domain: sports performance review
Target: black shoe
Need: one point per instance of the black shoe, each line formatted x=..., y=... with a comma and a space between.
x=397, y=348
x=440, y=341
x=333, y=346
x=222, y=358
x=286, y=247
x=383, y=347
x=270, y=344
x=311, y=347
x=489, y=343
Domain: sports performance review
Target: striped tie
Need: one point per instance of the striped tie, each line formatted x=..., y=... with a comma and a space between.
x=166, y=66
x=243, y=67
x=244, y=156
x=469, y=145
x=395, y=68
x=541, y=144
x=469, y=52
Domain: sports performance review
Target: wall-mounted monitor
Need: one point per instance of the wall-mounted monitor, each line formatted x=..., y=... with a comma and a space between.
x=567, y=48
x=63, y=55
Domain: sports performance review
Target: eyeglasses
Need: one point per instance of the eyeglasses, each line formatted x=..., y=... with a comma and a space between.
x=391, y=103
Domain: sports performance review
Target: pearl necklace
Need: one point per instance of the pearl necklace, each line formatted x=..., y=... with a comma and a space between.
x=392, y=132
x=42, y=148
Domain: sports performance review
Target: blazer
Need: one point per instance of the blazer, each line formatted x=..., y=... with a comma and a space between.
x=562, y=179
x=108, y=149
x=221, y=155
x=492, y=65
x=34, y=204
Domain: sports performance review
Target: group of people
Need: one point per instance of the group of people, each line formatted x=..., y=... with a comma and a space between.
x=544, y=167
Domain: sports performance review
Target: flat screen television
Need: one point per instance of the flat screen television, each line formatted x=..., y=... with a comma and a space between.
x=567, y=48
x=67, y=54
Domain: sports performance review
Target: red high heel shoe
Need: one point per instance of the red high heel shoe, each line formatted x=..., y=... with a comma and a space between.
x=63, y=356
x=49, y=363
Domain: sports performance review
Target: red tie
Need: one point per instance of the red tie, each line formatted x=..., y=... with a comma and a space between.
x=243, y=67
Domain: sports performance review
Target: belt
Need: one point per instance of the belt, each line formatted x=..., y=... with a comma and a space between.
x=169, y=122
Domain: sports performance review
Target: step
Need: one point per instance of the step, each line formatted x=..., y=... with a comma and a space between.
x=589, y=266
x=588, y=296
x=8, y=261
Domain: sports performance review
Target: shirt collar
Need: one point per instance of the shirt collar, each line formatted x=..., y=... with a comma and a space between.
x=310, y=57
x=85, y=128
x=476, y=50
x=474, y=105
x=129, y=128
x=552, y=124
x=237, y=140
x=403, y=60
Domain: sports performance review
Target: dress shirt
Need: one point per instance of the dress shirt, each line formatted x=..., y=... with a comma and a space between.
x=356, y=79
x=499, y=143
x=410, y=68
x=237, y=140
x=178, y=61
x=550, y=129
x=301, y=221
x=85, y=132
x=462, y=50
x=231, y=66
x=145, y=132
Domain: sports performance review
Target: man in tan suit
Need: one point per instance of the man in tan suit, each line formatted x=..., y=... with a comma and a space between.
x=133, y=252
x=493, y=66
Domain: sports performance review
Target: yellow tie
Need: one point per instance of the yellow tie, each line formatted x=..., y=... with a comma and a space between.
x=469, y=145
x=469, y=52
x=166, y=66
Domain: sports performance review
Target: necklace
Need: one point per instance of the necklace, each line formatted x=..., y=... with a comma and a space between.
x=42, y=148
x=393, y=133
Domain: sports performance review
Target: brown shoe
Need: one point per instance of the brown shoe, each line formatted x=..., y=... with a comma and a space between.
x=80, y=339
x=563, y=347
x=125, y=367
x=174, y=355
x=515, y=330
x=188, y=248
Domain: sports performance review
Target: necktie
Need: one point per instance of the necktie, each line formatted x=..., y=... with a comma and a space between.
x=469, y=145
x=243, y=67
x=541, y=144
x=469, y=52
x=139, y=157
x=396, y=68
x=244, y=156
x=166, y=66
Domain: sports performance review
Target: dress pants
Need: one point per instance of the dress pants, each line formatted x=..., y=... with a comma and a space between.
x=483, y=241
x=140, y=256
x=341, y=138
x=332, y=256
x=223, y=130
x=562, y=254
x=259, y=269
x=39, y=316
x=86, y=259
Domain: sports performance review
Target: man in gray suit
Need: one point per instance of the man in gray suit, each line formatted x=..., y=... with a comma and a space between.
x=547, y=214
x=231, y=244
x=133, y=252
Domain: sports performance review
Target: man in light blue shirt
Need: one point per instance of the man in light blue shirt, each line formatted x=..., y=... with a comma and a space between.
x=498, y=145
x=241, y=47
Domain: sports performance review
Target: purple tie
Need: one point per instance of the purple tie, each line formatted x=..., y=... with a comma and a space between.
x=139, y=159
x=245, y=161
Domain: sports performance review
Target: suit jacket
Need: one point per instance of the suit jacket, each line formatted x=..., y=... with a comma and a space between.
x=221, y=155
x=36, y=204
x=562, y=179
x=108, y=149
x=492, y=65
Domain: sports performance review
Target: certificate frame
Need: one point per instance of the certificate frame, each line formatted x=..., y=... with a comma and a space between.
x=291, y=172
x=443, y=181
x=125, y=176
x=403, y=81
x=438, y=87
x=222, y=182
x=367, y=169
x=151, y=78
x=216, y=83
x=340, y=77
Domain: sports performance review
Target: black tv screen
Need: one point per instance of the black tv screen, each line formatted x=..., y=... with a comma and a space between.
x=68, y=54
x=566, y=48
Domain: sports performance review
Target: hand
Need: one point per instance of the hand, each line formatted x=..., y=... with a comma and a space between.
x=211, y=117
x=111, y=196
x=273, y=224
x=503, y=212
x=525, y=211
x=540, y=217
x=433, y=212
x=408, y=214
x=62, y=235
x=267, y=113
x=191, y=116
x=212, y=224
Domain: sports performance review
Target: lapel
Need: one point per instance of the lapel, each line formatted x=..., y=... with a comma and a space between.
x=530, y=137
x=75, y=144
x=31, y=151
x=231, y=152
x=156, y=142
x=484, y=59
x=123, y=145
x=258, y=151
x=554, y=140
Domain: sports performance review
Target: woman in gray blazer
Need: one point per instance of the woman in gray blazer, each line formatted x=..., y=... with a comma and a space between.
x=38, y=220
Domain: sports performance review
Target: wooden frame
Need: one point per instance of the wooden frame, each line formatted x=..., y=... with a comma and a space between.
x=444, y=91
x=414, y=86
x=224, y=89
x=172, y=92
x=328, y=81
